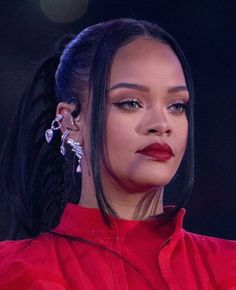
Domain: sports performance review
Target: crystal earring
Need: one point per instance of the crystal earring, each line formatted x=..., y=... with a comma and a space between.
x=54, y=127
x=78, y=149
x=63, y=140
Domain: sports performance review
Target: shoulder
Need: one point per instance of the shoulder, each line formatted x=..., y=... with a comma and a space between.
x=23, y=266
x=211, y=245
x=216, y=255
x=23, y=249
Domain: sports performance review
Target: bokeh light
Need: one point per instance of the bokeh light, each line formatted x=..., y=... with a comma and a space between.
x=64, y=11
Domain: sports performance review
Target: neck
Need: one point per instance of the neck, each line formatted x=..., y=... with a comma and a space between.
x=138, y=206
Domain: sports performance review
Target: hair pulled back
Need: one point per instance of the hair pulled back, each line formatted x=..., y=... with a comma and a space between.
x=39, y=182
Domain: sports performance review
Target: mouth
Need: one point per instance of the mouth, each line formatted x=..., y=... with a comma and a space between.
x=158, y=152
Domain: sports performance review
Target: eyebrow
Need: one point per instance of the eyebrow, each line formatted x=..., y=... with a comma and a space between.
x=143, y=88
x=177, y=89
x=130, y=86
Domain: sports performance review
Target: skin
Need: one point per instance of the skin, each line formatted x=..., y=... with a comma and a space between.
x=137, y=117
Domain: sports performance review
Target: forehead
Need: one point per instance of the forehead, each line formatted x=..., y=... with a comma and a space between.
x=146, y=60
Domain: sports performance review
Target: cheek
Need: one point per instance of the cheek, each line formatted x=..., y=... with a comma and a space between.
x=122, y=139
x=118, y=134
x=182, y=135
x=185, y=131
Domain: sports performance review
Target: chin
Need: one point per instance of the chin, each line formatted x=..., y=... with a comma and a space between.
x=149, y=181
x=161, y=175
x=140, y=178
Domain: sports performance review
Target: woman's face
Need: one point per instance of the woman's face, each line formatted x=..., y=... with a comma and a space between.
x=146, y=125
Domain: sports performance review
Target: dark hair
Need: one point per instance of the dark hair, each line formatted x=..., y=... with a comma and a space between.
x=39, y=178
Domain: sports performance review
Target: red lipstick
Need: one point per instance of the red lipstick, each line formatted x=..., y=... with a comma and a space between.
x=159, y=152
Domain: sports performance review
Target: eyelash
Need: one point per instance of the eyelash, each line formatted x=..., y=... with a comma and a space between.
x=127, y=104
x=176, y=107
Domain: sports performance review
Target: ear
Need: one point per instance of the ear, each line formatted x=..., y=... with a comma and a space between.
x=69, y=122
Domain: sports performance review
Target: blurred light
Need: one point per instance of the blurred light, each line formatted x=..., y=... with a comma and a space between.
x=64, y=11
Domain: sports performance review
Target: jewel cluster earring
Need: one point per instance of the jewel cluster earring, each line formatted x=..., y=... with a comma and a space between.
x=63, y=140
x=76, y=147
x=54, y=127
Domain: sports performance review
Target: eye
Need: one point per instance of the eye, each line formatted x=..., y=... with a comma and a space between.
x=129, y=104
x=177, y=107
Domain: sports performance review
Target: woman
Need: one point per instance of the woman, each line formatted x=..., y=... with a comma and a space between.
x=125, y=108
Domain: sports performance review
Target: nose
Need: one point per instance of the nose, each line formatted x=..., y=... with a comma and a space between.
x=155, y=122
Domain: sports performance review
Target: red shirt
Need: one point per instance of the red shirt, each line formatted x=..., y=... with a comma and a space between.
x=130, y=255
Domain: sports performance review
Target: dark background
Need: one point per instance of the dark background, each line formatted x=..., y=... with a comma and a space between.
x=206, y=30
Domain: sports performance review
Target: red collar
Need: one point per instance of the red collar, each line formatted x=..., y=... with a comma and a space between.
x=81, y=221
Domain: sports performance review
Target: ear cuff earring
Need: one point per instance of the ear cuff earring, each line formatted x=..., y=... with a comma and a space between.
x=76, y=147
x=54, y=127
x=63, y=140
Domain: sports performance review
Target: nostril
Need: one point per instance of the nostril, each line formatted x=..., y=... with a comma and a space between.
x=155, y=131
x=152, y=131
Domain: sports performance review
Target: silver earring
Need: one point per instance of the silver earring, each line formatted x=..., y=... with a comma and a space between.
x=78, y=149
x=54, y=127
x=63, y=140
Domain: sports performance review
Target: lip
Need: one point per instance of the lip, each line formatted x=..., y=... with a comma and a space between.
x=157, y=151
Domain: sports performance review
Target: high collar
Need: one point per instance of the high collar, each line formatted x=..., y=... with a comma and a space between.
x=81, y=221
